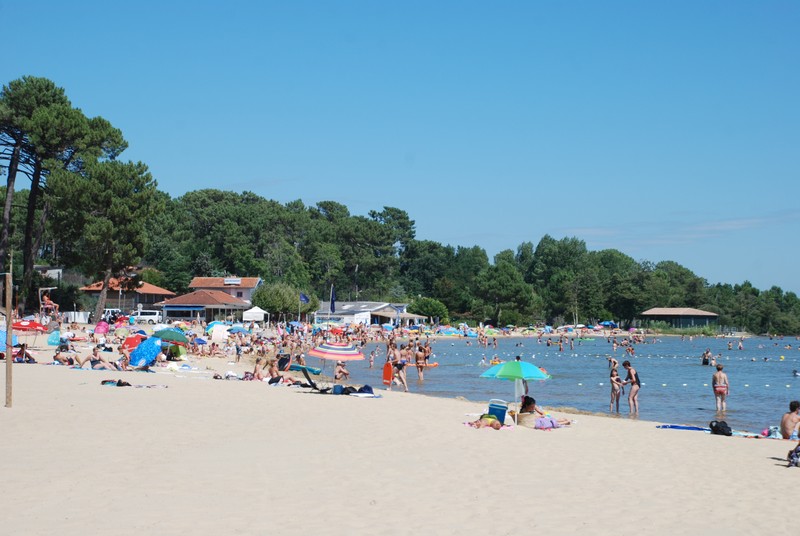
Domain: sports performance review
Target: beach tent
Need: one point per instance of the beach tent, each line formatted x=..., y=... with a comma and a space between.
x=256, y=314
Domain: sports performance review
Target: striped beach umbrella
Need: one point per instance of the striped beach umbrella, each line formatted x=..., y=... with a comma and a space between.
x=336, y=352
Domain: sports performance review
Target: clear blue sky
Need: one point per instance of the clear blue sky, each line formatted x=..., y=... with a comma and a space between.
x=666, y=130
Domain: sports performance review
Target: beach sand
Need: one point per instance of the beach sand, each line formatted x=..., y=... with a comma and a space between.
x=206, y=456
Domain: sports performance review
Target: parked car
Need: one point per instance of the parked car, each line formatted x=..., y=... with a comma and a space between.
x=147, y=316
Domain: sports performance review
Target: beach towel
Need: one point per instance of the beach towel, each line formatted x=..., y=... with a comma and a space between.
x=123, y=383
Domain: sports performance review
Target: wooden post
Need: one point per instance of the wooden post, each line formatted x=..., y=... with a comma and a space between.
x=9, y=332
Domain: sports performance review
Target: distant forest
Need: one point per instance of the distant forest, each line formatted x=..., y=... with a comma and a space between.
x=70, y=201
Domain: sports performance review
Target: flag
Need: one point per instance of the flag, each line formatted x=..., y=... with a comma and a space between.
x=333, y=299
x=304, y=298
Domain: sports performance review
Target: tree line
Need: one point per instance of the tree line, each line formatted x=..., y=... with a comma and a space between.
x=86, y=210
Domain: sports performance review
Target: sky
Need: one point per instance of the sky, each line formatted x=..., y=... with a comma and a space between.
x=666, y=130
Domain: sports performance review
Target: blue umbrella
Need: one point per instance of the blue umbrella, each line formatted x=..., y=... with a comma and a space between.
x=237, y=329
x=296, y=324
x=211, y=325
x=198, y=340
x=145, y=354
x=14, y=340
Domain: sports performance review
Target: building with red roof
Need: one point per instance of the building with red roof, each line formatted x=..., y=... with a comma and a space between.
x=127, y=295
x=238, y=287
x=205, y=305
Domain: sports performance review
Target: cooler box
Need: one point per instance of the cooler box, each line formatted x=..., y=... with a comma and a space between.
x=498, y=408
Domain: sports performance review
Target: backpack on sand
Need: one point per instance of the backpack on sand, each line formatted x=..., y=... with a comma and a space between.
x=720, y=428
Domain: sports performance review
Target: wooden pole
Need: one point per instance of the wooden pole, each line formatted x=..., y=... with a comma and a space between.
x=9, y=322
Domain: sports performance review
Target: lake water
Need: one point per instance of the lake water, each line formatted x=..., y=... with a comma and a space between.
x=676, y=387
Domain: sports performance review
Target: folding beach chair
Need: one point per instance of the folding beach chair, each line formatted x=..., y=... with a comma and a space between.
x=313, y=384
x=283, y=362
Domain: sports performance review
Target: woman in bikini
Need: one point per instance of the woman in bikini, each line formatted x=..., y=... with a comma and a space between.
x=633, y=379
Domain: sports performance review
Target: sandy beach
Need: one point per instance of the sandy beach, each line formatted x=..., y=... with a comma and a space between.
x=203, y=456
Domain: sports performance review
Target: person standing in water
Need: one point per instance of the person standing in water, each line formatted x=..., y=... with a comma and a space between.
x=633, y=379
x=617, y=390
x=719, y=383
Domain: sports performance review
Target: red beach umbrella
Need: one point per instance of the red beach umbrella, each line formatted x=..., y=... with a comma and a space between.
x=133, y=341
x=28, y=325
x=336, y=352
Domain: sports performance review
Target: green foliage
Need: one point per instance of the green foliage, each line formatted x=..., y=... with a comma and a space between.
x=102, y=214
x=154, y=277
x=504, y=294
x=431, y=308
x=281, y=298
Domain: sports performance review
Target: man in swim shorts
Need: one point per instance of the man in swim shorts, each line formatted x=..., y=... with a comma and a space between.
x=719, y=383
x=398, y=361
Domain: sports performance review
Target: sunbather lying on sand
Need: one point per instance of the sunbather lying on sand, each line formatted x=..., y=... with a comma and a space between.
x=64, y=358
x=486, y=421
x=98, y=362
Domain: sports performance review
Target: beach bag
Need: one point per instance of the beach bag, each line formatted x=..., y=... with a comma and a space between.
x=794, y=457
x=720, y=428
x=366, y=389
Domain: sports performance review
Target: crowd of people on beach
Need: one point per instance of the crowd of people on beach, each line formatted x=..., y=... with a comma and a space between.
x=274, y=350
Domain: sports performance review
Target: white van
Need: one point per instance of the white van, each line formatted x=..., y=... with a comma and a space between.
x=111, y=314
x=147, y=316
